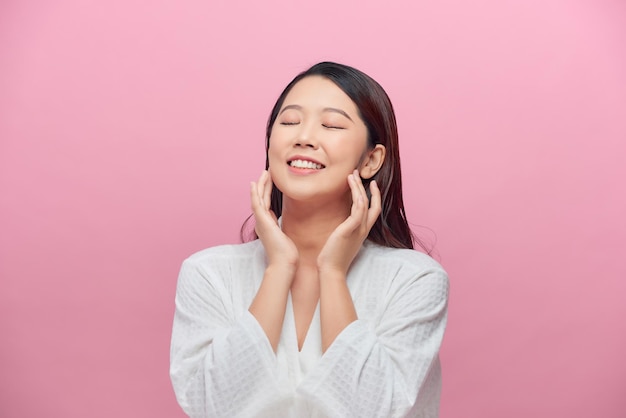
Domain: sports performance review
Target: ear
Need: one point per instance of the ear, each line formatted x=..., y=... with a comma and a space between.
x=372, y=161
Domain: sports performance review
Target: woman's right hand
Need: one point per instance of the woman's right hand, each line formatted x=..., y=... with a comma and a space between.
x=280, y=250
x=268, y=306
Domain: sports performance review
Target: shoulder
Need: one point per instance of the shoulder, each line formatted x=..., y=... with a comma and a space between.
x=398, y=258
x=224, y=260
x=226, y=253
x=400, y=268
x=225, y=276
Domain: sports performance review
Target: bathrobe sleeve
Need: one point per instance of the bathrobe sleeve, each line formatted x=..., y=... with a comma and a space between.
x=386, y=366
x=221, y=363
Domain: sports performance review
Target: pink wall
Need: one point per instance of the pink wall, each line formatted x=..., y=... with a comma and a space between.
x=129, y=131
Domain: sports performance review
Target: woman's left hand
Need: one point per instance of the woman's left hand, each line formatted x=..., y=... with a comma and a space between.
x=345, y=241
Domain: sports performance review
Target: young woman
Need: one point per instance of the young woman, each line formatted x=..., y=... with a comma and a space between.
x=330, y=312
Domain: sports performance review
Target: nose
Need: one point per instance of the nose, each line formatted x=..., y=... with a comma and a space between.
x=306, y=137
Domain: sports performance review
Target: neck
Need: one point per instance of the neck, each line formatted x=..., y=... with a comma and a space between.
x=309, y=226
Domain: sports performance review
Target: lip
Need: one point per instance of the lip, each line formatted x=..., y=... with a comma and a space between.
x=303, y=171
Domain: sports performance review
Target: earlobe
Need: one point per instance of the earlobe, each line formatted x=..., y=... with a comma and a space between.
x=373, y=161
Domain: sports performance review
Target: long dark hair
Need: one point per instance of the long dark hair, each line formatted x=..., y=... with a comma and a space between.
x=391, y=229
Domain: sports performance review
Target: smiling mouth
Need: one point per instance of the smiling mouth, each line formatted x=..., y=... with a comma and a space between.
x=305, y=164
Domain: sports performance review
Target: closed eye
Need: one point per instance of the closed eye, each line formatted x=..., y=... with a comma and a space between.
x=289, y=123
x=332, y=126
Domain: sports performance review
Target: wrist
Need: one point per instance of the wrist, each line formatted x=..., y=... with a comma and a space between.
x=280, y=272
x=331, y=273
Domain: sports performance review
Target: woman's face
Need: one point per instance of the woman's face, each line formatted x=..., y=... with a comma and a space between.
x=317, y=140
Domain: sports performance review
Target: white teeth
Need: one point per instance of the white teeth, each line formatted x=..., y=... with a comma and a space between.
x=305, y=164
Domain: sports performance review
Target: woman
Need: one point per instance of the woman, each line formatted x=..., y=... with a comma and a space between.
x=330, y=312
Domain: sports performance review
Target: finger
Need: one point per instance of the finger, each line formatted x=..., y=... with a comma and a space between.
x=260, y=185
x=254, y=196
x=357, y=177
x=375, y=204
x=257, y=193
x=362, y=194
x=358, y=205
x=256, y=200
x=256, y=207
x=267, y=193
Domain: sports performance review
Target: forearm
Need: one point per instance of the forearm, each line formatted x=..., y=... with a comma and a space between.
x=336, y=306
x=269, y=304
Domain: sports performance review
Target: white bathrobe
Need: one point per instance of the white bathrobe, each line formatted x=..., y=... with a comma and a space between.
x=384, y=364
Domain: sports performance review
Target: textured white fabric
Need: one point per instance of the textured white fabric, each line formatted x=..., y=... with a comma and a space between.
x=385, y=364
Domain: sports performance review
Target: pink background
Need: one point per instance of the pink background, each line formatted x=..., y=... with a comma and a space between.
x=129, y=131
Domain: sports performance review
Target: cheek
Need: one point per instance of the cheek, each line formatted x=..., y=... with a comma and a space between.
x=273, y=155
x=351, y=151
x=277, y=141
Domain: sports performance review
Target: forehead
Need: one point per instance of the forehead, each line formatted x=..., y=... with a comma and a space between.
x=319, y=92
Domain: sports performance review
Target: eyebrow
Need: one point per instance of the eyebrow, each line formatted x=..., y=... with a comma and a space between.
x=335, y=110
x=326, y=109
